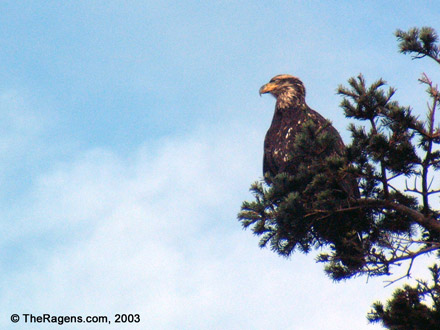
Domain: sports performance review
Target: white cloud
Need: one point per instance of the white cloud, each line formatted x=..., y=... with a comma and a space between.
x=155, y=233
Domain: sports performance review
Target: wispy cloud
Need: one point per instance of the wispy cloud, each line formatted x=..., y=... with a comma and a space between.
x=155, y=233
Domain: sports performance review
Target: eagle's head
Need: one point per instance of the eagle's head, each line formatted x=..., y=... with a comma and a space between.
x=288, y=90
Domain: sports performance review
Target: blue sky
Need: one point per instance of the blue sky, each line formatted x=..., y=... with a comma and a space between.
x=130, y=133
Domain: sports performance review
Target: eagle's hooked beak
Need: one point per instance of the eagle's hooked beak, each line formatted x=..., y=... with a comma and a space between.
x=267, y=88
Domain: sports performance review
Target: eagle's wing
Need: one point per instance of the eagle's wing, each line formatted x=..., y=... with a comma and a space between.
x=269, y=165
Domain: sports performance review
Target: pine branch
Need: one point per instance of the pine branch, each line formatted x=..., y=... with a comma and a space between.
x=419, y=42
x=425, y=221
x=426, y=163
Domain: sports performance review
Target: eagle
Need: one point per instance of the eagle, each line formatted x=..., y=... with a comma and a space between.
x=291, y=114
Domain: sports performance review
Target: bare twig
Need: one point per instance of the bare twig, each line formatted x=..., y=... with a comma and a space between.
x=407, y=275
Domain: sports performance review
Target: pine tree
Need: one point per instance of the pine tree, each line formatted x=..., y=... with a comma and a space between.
x=387, y=225
x=407, y=309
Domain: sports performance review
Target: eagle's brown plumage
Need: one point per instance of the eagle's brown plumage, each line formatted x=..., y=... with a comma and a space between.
x=291, y=113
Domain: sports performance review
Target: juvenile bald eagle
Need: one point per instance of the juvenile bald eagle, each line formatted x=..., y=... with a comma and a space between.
x=291, y=113
x=290, y=117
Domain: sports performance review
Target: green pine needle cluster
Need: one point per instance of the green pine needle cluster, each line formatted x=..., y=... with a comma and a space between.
x=411, y=308
x=300, y=212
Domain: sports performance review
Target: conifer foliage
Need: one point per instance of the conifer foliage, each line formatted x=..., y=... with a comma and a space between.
x=411, y=308
x=395, y=157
